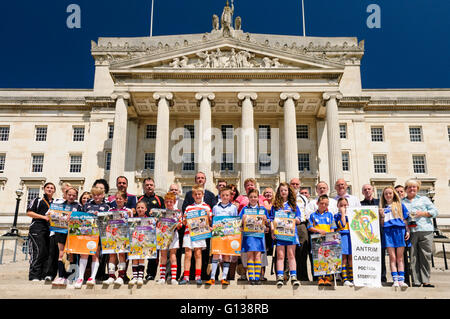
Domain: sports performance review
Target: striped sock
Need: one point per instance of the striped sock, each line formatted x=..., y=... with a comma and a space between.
x=215, y=263
x=135, y=269
x=257, y=270
x=198, y=274
x=226, y=267
x=344, y=273
x=141, y=268
x=394, y=276
x=162, y=271
x=173, y=271
x=401, y=276
x=122, y=270
x=350, y=273
x=186, y=275
x=111, y=270
x=251, y=270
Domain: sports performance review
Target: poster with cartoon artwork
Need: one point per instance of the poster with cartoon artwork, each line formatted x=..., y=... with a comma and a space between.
x=142, y=231
x=254, y=222
x=326, y=252
x=284, y=225
x=226, y=236
x=113, y=228
x=198, y=223
x=165, y=228
x=59, y=216
x=83, y=234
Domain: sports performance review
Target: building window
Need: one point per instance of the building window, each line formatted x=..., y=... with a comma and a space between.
x=345, y=161
x=415, y=134
x=419, y=164
x=264, y=132
x=227, y=132
x=302, y=132
x=379, y=164
x=149, y=161
x=4, y=133
x=188, y=162
x=110, y=130
x=37, y=163
x=107, y=161
x=265, y=162
x=227, y=162
x=150, y=131
x=377, y=134
x=41, y=133
x=78, y=134
x=33, y=192
x=343, y=131
x=189, y=131
x=2, y=162
x=303, y=162
x=75, y=163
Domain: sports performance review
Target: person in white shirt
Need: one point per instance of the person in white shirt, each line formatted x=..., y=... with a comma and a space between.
x=341, y=189
x=321, y=189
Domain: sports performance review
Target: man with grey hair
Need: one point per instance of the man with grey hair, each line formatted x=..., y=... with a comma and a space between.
x=369, y=200
x=321, y=189
x=341, y=188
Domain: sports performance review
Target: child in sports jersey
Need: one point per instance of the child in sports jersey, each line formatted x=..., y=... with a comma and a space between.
x=188, y=244
x=285, y=199
x=121, y=200
x=393, y=215
x=138, y=265
x=223, y=208
x=322, y=222
x=341, y=221
x=254, y=246
x=170, y=200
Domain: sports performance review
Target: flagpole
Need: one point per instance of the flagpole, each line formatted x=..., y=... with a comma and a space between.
x=303, y=14
x=151, y=20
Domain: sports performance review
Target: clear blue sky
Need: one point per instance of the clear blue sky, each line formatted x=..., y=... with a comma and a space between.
x=410, y=50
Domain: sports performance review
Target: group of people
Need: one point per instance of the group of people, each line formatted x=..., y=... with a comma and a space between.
x=405, y=225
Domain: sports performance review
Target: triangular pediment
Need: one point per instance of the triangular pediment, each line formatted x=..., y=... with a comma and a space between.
x=223, y=54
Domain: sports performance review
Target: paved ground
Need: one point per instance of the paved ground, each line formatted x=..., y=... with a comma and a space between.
x=14, y=285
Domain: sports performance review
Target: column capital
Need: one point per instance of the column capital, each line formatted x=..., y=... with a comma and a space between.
x=331, y=95
x=120, y=95
x=251, y=95
x=205, y=95
x=162, y=95
x=286, y=96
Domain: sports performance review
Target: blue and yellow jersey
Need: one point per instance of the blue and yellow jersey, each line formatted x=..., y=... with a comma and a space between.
x=324, y=221
x=338, y=221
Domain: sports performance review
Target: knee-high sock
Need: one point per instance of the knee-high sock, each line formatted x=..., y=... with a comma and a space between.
x=82, y=269
x=226, y=267
x=94, y=269
x=141, y=268
x=257, y=266
x=350, y=273
x=162, y=271
x=173, y=271
x=251, y=269
x=344, y=273
x=215, y=263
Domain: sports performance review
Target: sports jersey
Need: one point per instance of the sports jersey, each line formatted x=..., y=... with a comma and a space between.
x=324, y=221
x=243, y=201
x=312, y=206
x=224, y=210
x=340, y=228
x=91, y=206
x=152, y=201
x=390, y=220
x=40, y=206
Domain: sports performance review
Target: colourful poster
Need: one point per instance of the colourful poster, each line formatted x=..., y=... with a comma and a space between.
x=113, y=228
x=366, y=245
x=254, y=225
x=284, y=225
x=226, y=236
x=165, y=228
x=83, y=235
x=59, y=216
x=326, y=251
x=198, y=222
x=142, y=238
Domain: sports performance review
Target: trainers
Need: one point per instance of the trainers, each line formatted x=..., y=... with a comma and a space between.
x=403, y=284
x=133, y=281
x=109, y=281
x=57, y=282
x=210, y=282
x=395, y=284
x=183, y=282
x=173, y=282
x=140, y=282
x=149, y=277
x=348, y=283
x=199, y=282
x=48, y=279
x=90, y=282
x=161, y=281
x=78, y=284
x=280, y=281
x=327, y=282
x=119, y=281
x=294, y=281
x=224, y=282
x=321, y=282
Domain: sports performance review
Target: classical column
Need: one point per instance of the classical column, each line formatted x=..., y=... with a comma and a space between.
x=290, y=135
x=119, y=142
x=334, y=141
x=246, y=148
x=162, y=142
x=203, y=143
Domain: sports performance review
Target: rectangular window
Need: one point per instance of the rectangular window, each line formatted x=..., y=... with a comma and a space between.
x=415, y=134
x=110, y=130
x=75, y=163
x=303, y=162
x=264, y=132
x=227, y=132
x=343, y=131
x=377, y=134
x=150, y=131
x=345, y=161
x=33, y=192
x=4, y=133
x=227, y=162
x=149, y=161
x=379, y=164
x=2, y=162
x=37, y=163
x=188, y=162
x=78, y=134
x=302, y=132
x=107, y=161
x=189, y=132
x=41, y=133
x=265, y=162
x=419, y=164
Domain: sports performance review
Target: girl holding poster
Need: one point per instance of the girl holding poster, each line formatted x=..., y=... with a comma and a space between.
x=138, y=265
x=253, y=242
x=286, y=203
x=341, y=220
x=393, y=215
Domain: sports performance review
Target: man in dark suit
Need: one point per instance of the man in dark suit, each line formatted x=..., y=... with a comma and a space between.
x=210, y=199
